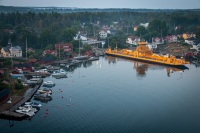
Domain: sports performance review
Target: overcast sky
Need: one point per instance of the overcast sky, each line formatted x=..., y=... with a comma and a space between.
x=151, y=4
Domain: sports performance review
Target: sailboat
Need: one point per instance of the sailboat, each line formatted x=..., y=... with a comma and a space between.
x=79, y=57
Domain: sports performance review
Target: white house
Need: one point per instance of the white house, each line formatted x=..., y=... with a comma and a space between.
x=103, y=34
x=81, y=37
x=157, y=40
x=133, y=40
x=145, y=25
x=15, y=51
x=190, y=41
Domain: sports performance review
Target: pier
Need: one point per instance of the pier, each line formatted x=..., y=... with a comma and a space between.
x=28, y=95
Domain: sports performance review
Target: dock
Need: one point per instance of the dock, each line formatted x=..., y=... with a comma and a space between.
x=10, y=112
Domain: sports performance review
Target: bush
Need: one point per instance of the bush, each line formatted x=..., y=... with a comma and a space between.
x=18, y=86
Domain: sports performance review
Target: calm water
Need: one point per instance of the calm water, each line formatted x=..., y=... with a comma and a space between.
x=116, y=95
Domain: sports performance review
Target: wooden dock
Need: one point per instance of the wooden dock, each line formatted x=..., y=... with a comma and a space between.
x=10, y=113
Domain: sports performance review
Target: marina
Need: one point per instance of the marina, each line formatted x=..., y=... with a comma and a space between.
x=102, y=94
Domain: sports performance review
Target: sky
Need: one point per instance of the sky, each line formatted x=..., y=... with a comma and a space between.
x=134, y=4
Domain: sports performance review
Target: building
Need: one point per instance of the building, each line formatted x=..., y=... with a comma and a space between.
x=24, y=67
x=15, y=51
x=46, y=60
x=132, y=40
x=157, y=40
x=145, y=25
x=103, y=34
x=172, y=38
x=65, y=47
x=50, y=52
x=135, y=28
x=189, y=35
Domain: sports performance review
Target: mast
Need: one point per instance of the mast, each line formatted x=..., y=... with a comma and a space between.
x=79, y=43
x=26, y=48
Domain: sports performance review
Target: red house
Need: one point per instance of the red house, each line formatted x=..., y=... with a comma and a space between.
x=65, y=47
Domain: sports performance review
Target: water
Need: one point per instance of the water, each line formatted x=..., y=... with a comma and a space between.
x=116, y=95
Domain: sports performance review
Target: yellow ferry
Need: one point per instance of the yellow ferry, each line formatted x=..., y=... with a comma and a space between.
x=143, y=53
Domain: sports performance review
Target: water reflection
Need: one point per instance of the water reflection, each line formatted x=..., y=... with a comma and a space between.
x=142, y=67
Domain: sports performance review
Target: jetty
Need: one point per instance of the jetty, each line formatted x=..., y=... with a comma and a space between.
x=10, y=114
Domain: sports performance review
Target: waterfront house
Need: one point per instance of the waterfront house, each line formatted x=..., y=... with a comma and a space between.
x=50, y=52
x=157, y=40
x=46, y=60
x=145, y=25
x=24, y=67
x=132, y=40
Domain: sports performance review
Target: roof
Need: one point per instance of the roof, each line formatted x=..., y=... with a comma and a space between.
x=50, y=51
x=47, y=59
x=6, y=49
x=22, y=65
x=32, y=60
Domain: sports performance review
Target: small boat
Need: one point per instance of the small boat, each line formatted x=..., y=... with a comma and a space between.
x=43, y=96
x=48, y=84
x=27, y=110
x=28, y=113
x=59, y=73
x=93, y=58
x=33, y=104
x=45, y=90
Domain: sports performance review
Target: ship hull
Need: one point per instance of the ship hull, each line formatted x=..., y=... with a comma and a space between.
x=144, y=59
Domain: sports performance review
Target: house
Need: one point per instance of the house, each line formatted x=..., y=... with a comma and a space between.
x=132, y=40
x=46, y=60
x=50, y=52
x=80, y=37
x=15, y=51
x=172, y=38
x=24, y=67
x=157, y=40
x=189, y=35
x=135, y=28
x=104, y=33
x=32, y=61
x=190, y=41
x=196, y=45
x=30, y=50
x=145, y=25
x=65, y=47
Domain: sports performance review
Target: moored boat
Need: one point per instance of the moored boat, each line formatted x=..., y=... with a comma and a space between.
x=48, y=84
x=143, y=53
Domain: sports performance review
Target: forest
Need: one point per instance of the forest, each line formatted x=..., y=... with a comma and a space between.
x=44, y=29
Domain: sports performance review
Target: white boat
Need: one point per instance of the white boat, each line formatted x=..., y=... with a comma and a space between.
x=33, y=104
x=27, y=110
x=59, y=73
x=44, y=96
x=45, y=90
x=93, y=58
x=81, y=57
x=48, y=84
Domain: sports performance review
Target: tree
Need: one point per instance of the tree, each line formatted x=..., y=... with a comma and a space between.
x=68, y=34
